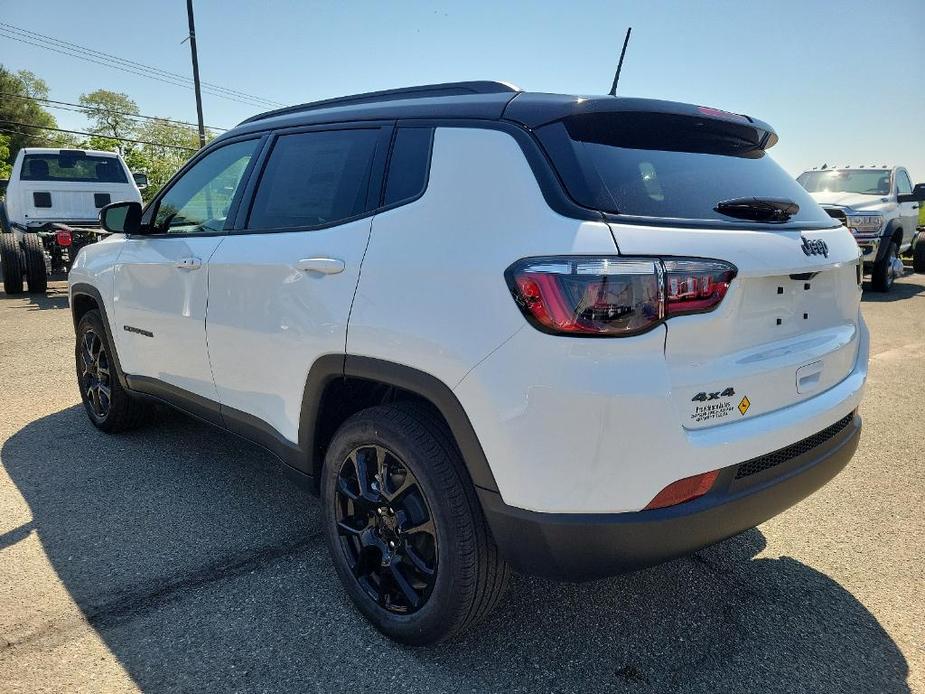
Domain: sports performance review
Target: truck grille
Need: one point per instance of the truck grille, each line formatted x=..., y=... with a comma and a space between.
x=765, y=462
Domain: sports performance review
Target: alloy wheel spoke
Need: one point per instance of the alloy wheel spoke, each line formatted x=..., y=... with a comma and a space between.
x=415, y=559
x=425, y=526
x=410, y=594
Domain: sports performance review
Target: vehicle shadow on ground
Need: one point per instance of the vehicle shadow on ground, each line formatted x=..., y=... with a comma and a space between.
x=899, y=292
x=55, y=298
x=202, y=568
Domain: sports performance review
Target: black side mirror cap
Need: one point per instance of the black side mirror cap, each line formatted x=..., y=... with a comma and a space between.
x=917, y=194
x=121, y=217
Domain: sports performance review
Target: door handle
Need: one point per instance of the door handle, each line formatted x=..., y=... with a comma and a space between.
x=324, y=266
x=189, y=263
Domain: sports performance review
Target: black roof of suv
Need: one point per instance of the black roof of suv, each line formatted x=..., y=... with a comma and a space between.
x=488, y=101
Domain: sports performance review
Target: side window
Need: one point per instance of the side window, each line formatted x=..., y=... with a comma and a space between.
x=314, y=178
x=198, y=202
x=903, y=184
x=408, y=164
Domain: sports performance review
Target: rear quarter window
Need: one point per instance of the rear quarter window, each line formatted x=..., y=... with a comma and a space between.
x=408, y=165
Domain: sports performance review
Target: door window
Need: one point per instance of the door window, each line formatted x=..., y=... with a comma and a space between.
x=315, y=178
x=198, y=202
x=903, y=184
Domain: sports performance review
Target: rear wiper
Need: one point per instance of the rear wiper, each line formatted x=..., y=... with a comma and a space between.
x=759, y=209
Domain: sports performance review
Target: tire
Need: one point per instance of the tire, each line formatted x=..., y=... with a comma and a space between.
x=11, y=262
x=97, y=373
x=34, y=256
x=451, y=540
x=882, y=277
x=918, y=254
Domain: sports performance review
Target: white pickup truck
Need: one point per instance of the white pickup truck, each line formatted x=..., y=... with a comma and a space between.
x=51, y=210
x=880, y=206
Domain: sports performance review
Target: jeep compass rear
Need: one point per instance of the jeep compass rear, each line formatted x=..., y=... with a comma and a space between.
x=570, y=336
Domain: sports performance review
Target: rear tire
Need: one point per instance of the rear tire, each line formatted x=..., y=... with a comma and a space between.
x=918, y=254
x=108, y=405
x=11, y=261
x=414, y=478
x=34, y=256
x=883, y=276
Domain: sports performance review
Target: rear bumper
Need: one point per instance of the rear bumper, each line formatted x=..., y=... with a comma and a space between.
x=586, y=546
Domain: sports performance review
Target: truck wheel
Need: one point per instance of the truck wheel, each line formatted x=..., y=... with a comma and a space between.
x=109, y=406
x=918, y=254
x=404, y=527
x=883, y=275
x=34, y=255
x=11, y=262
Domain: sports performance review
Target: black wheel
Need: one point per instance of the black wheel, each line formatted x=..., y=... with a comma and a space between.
x=34, y=256
x=918, y=254
x=404, y=526
x=11, y=262
x=884, y=274
x=108, y=405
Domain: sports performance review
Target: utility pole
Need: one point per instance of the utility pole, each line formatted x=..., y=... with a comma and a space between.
x=616, y=77
x=192, y=48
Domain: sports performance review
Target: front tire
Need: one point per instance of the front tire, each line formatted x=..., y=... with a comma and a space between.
x=108, y=405
x=883, y=274
x=11, y=261
x=34, y=256
x=404, y=527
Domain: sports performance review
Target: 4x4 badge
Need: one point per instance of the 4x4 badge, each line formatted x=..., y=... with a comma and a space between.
x=815, y=247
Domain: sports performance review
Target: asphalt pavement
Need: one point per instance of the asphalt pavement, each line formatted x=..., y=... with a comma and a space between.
x=178, y=558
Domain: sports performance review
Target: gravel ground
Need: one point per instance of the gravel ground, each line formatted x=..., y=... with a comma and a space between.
x=176, y=558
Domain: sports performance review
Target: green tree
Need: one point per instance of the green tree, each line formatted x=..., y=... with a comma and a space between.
x=19, y=110
x=5, y=167
x=174, y=144
x=111, y=116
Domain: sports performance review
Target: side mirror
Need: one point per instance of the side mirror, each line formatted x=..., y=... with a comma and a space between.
x=121, y=217
x=4, y=182
x=141, y=180
x=917, y=194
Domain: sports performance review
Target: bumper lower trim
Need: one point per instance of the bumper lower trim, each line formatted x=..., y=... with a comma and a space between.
x=577, y=547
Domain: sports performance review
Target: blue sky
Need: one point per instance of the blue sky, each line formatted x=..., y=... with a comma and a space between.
x=840, y=81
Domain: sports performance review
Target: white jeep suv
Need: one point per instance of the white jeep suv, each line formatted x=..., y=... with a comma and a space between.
x=571, y=336
x=881, y=208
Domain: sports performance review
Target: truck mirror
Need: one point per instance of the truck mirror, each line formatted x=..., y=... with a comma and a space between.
x=121, y=217
x=917, y=194
x=141, y=180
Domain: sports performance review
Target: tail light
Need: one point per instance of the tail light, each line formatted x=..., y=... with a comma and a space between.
x=614, y=296
x=63, y=238
x=683, y=490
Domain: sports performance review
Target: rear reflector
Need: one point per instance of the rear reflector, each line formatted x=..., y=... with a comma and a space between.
x=684, y=490
x=63, y=238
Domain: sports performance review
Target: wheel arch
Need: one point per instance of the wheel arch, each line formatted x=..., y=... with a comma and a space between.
x=339, y=386
x=85, y=298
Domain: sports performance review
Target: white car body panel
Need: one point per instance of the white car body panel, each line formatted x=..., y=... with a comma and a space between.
x=152, y=293
x=432, y=294
x=268, y=320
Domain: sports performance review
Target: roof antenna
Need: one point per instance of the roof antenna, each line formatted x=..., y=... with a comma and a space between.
x=616, y=77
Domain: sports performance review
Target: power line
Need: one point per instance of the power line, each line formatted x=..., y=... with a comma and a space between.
x=81, y=53
x=84, y=109
x=105, y=137
x=130, y=63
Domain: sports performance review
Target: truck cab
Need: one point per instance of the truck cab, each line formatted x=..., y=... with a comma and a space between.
x=879, y=205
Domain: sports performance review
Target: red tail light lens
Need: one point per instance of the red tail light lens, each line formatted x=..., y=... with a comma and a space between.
x=683, y=490
x=694, y=286
x=614, y=296
x=63, y=238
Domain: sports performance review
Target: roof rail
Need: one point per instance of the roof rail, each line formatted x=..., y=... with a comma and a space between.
x=418, y=92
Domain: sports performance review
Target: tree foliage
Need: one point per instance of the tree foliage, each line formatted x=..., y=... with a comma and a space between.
x=18, y=114
x=162, y=146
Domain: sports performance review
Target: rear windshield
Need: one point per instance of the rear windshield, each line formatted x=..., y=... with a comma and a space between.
x=668, y=167
x=79, y=167
x=866, y=182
